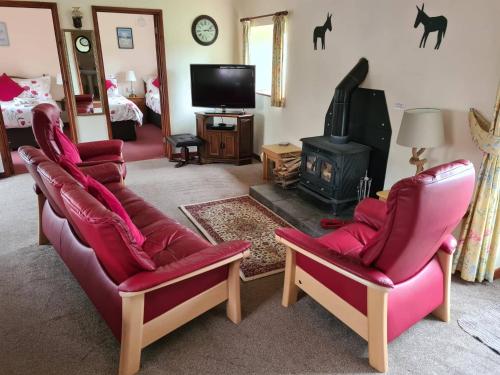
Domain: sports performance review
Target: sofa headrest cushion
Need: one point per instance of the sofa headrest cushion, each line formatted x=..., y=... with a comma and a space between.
x=67, y=148
x=32, y=155
x=73, y=170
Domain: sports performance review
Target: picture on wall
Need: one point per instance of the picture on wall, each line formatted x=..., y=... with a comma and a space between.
x=320, y=31
x=4, y=36
x=431, y=24
x=125, y=38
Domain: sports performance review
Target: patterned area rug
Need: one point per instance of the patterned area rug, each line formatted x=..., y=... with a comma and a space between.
x=242, y=218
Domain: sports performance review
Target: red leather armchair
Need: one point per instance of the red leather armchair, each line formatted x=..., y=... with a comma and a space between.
x=46, y=117
x=391, y=266
x=84, y=103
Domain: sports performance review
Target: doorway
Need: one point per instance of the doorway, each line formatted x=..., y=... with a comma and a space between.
x=41, y=80
x=131, y=50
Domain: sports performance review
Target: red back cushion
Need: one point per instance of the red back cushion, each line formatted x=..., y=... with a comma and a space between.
x=156, y=82
x=107, y=234
x=8, y=88
x=103, y=195
x=421, y=212
x=66, y=146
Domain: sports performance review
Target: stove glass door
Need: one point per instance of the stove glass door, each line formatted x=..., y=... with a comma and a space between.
x=326, y=171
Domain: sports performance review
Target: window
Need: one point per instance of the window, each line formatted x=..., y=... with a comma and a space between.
x=260, y=47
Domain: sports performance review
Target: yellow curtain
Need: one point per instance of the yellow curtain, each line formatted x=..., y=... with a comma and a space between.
x=479, y=245
x=246, y=50
x=277, y=87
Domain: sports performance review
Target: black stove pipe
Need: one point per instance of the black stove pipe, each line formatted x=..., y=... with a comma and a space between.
x=337, y=118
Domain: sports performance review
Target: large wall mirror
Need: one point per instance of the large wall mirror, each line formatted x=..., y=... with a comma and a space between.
x=83, y=67
x=131, y=52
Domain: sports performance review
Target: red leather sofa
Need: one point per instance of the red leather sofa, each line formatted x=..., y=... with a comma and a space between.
x=185, y=276
x=391, y=266
x=46, y=118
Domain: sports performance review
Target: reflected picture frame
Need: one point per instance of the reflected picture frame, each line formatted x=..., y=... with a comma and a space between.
x=125, y=37
x=4, y=35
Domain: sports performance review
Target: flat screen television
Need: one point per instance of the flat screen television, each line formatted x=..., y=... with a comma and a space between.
x=223, y=86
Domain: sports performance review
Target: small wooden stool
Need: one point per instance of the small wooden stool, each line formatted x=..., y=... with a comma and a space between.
x=184, y=141
x=274, y=153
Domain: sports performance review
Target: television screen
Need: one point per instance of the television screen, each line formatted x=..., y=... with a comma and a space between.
x=223, y=86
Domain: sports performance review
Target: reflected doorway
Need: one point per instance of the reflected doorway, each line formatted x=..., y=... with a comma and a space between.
x=130, y=46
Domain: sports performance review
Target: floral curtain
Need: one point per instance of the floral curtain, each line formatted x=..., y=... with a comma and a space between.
x=246, y=49
x=277, y=87
x=479, y=245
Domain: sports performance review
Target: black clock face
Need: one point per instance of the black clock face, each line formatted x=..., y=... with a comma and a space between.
x=204, y=30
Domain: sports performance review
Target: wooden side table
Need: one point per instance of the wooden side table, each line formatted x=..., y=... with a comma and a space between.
x=274, y=154
x=383, y=195
x=139, y=102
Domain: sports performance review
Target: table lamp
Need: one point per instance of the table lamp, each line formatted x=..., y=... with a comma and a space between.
x=421, y=128
x=130, y=77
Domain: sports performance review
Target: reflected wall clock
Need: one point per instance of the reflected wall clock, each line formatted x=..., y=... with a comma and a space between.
x=82, y=44
x=205, y=30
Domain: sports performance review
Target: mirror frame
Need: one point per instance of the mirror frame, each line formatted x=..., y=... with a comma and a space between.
x=8, y=166
x=4, y=149
x=160, y=63
x=97, y=67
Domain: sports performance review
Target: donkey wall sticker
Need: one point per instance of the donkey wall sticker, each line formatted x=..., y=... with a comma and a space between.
x=320, y=31
x=431, y=24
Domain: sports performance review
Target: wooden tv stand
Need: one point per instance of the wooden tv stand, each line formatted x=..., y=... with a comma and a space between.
x=233, y=144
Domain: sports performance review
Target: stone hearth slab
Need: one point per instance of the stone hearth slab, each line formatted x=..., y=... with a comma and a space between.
x=296, y=208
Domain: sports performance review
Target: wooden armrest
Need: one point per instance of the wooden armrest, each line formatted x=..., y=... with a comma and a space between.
x=211, y=267
x=350, y=270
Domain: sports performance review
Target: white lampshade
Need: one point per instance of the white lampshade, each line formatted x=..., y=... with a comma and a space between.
x=59, y=80
x=421, y=127
x=130, y=76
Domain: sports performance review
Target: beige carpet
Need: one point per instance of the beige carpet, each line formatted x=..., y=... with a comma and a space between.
x=48, y=326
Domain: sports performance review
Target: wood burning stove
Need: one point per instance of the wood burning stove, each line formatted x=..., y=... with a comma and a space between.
x=356, y=140
x=331, y=172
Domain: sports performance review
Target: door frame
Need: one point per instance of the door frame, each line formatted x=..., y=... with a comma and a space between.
x=160, y=63
x=61, y=54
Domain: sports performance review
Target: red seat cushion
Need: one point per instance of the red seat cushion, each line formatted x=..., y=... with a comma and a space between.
x=103, y=195
x=9, y=89
x=67, y=148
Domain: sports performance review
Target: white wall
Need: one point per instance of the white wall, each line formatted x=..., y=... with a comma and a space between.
x=181, y=49
x=463, y=73
x=24, y=57
x=141, y=59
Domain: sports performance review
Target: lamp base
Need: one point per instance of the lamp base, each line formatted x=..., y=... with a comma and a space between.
x=415, y=159
x=132, y=96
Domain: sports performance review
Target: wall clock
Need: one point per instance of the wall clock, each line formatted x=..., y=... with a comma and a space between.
x=205, y=30
x=82, y=44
